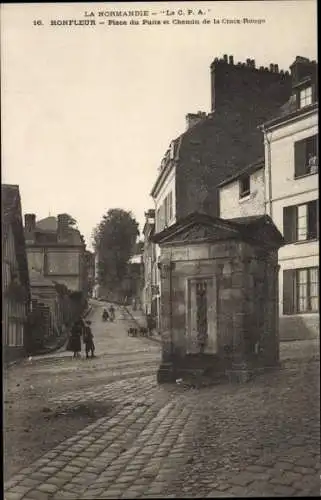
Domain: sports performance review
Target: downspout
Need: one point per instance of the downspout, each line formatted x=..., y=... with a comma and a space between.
x=267, y=141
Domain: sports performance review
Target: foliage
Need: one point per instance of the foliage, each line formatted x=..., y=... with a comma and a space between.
x=114, y=241
x=16, y=292
x=71, y=221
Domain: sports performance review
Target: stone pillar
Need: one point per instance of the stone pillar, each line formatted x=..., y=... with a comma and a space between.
x=166, y=372
x=271, y=345
x=240, y=371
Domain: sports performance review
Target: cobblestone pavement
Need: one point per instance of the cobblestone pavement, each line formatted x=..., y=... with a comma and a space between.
x=258, y=439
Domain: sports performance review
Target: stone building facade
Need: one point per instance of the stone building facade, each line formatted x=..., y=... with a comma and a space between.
x=219, y=299
x=150, y=293
x=219, y=144
x=292, y=200
x=57, y=252
x=15, y=276
x=243, y=194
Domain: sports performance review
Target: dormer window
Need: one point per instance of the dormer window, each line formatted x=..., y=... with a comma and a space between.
x=305, y=97
x=244, y=186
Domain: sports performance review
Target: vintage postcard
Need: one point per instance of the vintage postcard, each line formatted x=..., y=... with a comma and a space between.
x=160, y=249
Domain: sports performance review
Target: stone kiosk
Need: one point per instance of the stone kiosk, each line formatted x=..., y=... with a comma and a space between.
x=219, y=297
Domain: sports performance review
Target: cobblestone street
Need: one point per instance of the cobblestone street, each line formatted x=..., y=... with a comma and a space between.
x=143, y=440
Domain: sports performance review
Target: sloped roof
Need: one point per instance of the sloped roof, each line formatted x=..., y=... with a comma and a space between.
x=47, y=224
x=198, y=227
x=50, y=225
x=248, y=170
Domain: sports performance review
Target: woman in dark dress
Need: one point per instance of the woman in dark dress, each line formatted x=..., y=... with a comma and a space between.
x=75, y=339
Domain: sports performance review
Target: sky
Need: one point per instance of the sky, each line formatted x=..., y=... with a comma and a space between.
x=89, y=111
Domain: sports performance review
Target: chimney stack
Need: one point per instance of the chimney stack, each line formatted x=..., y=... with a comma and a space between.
x=30, y=222
x=194, y=118
x=63, y=226
x=225, y=58
x=231, y=60
x=303, y=68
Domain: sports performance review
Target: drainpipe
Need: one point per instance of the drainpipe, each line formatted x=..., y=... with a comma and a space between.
x=267, y=141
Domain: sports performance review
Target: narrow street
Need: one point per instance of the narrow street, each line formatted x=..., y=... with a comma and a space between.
x=104, y=428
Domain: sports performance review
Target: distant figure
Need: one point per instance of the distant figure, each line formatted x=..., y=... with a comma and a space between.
x=75, y=339
x=150, y=324
x=88, y=339
x=105, y=315
x=112, y=313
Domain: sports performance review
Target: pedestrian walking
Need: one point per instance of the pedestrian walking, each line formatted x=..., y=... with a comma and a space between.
x=105, y=315
x=112, y=313
x=88, y=339
x=75, y=339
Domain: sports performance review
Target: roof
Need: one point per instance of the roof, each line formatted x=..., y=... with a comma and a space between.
x=197, y=227
x=250, y=169
x=219, y=147
x=168, y=163
x=50, y=225
x=11, y=215
x=47, y=224
x=289, y=112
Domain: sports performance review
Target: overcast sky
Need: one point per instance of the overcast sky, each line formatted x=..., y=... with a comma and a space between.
x=88, y=112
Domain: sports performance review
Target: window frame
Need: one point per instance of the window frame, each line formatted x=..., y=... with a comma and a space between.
x=306, y=156
x=243, y=193
x=291, y=227
x=292, y=285
x=305, y=97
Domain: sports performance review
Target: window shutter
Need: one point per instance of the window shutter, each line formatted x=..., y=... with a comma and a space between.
x=300, y=158
x=312, y=219
x=289, y=291
x=289, y=223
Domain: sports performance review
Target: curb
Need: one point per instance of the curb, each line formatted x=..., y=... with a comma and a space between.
x=59, y=346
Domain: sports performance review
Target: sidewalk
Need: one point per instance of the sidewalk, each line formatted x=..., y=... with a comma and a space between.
x=56, y=345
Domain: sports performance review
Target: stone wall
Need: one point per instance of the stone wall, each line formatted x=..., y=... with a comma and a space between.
x=246, y=300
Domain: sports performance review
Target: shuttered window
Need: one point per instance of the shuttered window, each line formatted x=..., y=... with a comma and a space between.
x=289, y=223
x=289, y=291
x=301, y=290
x=306, y=157
x=301, y=222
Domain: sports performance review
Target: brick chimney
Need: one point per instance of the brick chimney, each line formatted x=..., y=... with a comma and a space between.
x=30, y=223
x=63, y=227
x=303, y=68
x=238, y=84
x=194, y=118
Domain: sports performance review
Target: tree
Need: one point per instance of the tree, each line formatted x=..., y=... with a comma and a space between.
x=71, y=221
x=114, y=240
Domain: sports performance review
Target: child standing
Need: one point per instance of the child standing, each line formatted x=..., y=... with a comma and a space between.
x=89, y=340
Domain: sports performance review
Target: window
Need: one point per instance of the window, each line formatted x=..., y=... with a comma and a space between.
x=15, y=337
x=168, y=209
x=301, y=222
x=306, y=156
x=305, y=97
x=301, y=290
x=244, y=186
